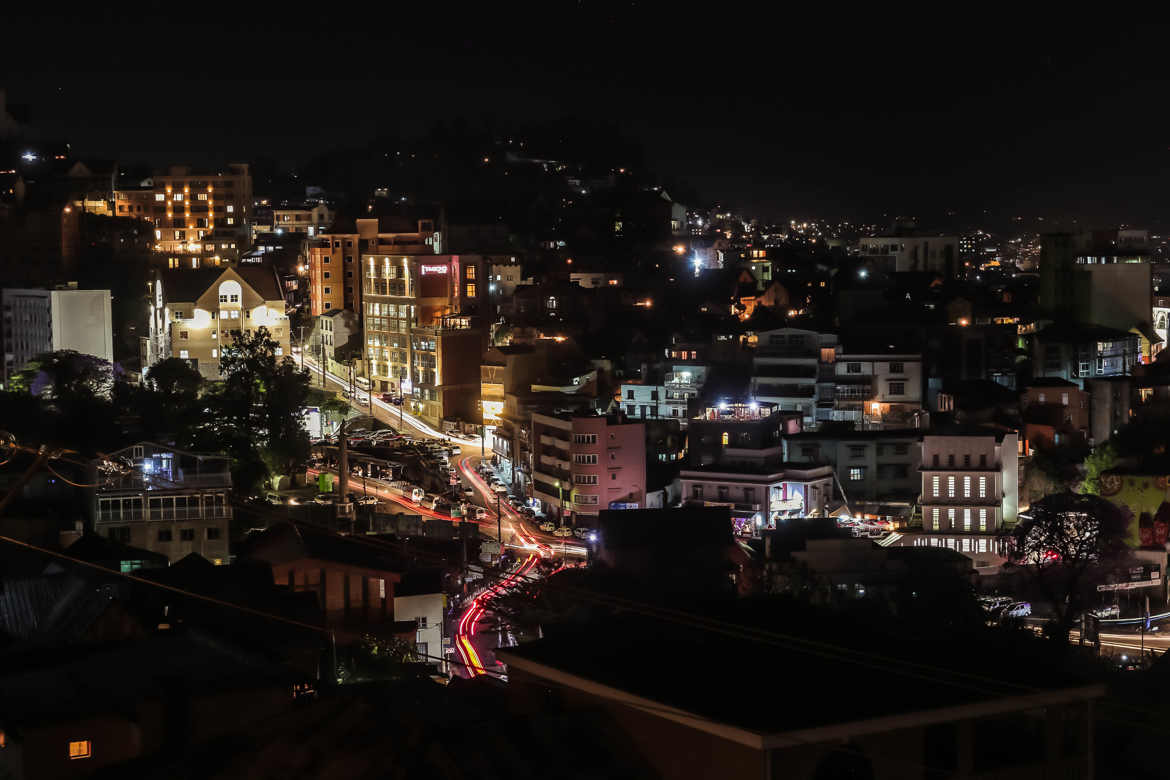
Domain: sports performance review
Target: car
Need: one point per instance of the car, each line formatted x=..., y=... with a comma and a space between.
x=480, y=513
x=527, y=512
x=469, y=491
x=1020, y=609
x=273, y=498
x=563, y=531
x=1110, y=611
x=547, y=527
x=417, y=495
x=454, y=449
x=367, y=501
x=324, y=498
x=581, y=533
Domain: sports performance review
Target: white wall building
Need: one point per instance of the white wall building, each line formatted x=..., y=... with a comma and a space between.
x=427, y=610
x=913, y=253
x=38, y=321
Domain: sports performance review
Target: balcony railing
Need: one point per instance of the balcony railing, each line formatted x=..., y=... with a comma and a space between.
x=132, y=516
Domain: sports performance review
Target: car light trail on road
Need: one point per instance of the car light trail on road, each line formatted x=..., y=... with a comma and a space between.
x=469, y=621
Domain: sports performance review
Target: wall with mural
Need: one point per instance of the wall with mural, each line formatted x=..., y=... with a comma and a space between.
x=1146, y=500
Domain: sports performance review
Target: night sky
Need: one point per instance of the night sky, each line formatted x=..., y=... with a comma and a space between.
x=832, y=115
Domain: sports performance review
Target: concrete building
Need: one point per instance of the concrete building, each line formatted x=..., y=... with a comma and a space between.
x=420, y=597
x=686, y=732
x=33, y=322
x=310, y=219
x=195, y=314
x=898, y=254
x=505, y=277
x=794, y=369
x=1110, y=406
x=1077, y=352
x=336, y=256
x=200, y=217
x=970, y=489
x=581, y=465
x=1102, y=277
x=736, y=459
x=878, y=471
x=877, y=389
x=171, y=502
x=1056, y=412
x=335, y=342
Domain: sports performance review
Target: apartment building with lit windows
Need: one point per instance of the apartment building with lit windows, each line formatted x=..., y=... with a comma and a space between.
x=199, y=217
x=195, y=314
x=311, y=219
x=970, y=489
x=581, y=465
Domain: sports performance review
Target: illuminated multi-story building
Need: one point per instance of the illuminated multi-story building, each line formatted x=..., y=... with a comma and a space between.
x=199, y=217
x=422, y=335
x=195, y=314
x=334, y=282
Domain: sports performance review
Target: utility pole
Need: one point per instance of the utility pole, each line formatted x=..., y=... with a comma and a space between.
x=302, y=348
x=342, y=460
x=499, y=526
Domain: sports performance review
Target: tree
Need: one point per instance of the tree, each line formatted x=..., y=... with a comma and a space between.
x=258, y=408
x=1068, y=546
x=1101, y=459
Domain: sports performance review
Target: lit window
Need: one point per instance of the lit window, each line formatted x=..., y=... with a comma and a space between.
x=951, y=518
x=202, y=196
x=214, y=352
x=177, y=196
x=982, y=519
x=81, y=748
x=279, y=351
x=966, y=487
x=183, y=354
x=471, y=272
x=159, y=196
x=966, y=519
x=857, y=473
x=934, y=518
x=950, y=487
x=471, y=291
x=934, y=485
x=231, y=209
x=983, y=487
x=231, y=221
x=726, y=437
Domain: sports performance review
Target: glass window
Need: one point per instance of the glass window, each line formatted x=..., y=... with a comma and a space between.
x=950, y=487
x=934, y=518
x=966, y=487
x=983, y=487
x=934, y=485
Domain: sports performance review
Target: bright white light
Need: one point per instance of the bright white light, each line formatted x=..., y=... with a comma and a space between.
x=863, y=273
x=753, y=406
x=722, y=405
x=29, y=156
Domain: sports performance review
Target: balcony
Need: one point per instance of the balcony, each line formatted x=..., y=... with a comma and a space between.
x=553, y=441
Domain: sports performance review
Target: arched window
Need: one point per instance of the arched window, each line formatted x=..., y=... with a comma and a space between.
x=230, y=292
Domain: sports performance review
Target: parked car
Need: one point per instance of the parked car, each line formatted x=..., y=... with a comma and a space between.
x=324, y=498
x=469, y=491
x=365, y=500
x=480, y=513
x=454, y=449
x=273, y=498
x=1020, y=609
x=547, y=527
x=582, y=533
x=563, y=531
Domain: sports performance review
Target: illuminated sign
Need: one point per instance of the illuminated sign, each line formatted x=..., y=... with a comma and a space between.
x=434, y=269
